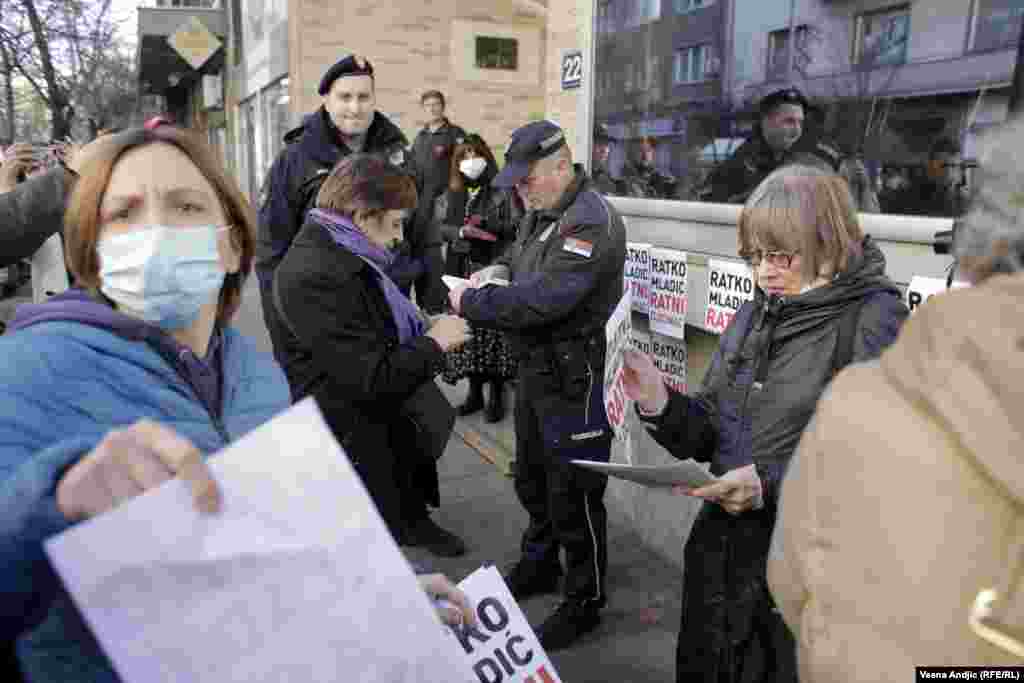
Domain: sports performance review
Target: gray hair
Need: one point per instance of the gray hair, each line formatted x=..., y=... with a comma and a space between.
x=804, y=209
x=990, y=239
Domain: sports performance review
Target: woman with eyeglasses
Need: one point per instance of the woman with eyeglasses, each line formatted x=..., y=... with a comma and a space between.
x=822, y=301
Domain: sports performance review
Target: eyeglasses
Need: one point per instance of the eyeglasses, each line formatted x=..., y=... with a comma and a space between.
x=779, y=259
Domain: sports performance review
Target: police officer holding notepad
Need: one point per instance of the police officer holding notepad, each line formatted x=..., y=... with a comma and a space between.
x=566, y=271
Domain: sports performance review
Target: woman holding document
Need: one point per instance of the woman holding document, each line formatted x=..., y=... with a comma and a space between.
x=479, y=223
x=822, y=301
x=127, y=380
x=365, y=351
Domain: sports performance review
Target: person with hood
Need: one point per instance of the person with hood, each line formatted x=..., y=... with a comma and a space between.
x=780, y=138
x=346, y=122
x=480, y=223
x=822, y=301
x=900, y=540
x=151, y=355
x=360, y=346
x=129, y=379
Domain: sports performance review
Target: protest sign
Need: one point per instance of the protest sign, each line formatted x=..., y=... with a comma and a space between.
x=295, y=579
x=921, y=289
x=669, y=356
x=667, y=306
x=617, y=334
x=729, y=285
x=501, y=648
x=641, y=341
x=638, y=274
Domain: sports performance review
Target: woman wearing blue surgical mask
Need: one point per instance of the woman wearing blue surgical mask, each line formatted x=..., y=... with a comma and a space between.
x=129, y=379
x=478, y=222
x=364, y=350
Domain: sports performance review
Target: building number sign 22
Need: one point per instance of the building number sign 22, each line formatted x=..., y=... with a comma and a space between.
x=572, y=69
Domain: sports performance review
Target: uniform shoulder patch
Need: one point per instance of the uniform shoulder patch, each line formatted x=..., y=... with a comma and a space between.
x=574, y=245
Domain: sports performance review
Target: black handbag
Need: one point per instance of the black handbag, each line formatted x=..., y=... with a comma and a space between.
x=433, y=417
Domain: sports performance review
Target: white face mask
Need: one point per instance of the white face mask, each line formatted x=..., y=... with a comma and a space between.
x=162, y=274
x=473, y=168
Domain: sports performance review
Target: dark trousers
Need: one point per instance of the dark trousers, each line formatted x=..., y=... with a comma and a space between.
x=565, y=502
x=271, y=318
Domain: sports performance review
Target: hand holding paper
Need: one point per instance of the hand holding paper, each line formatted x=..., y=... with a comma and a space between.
x=130, y=461
x=474, y=233
x=643, y=382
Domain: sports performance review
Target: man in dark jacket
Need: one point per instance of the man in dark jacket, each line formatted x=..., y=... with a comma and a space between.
x=602, y=177
x=432, y=149
x=780, y=138
x=642, y=178
x=566, y=271
x=346, y=122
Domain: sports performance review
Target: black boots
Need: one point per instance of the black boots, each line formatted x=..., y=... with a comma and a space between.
x=496, y=402
x=475, y=400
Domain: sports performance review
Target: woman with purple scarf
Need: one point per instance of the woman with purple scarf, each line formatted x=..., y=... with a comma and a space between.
x=364, y=350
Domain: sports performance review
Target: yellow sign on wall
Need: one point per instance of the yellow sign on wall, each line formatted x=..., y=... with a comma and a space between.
x=194, y=42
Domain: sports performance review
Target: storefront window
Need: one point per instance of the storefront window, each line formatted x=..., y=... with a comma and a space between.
x=276, y=120
x=997, y=23
x=897, y=95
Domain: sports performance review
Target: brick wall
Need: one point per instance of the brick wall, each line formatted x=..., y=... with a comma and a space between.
x=421, y=46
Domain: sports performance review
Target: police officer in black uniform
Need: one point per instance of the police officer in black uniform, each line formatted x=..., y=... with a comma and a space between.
x=599, y=173
x=779, y=138
x=432, y=149
x=566, y=271
x=346, y=122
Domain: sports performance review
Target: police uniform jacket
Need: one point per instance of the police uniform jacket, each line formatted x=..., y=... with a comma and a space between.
x=566, y=269
x=290, y=188
x=432, y=155
x=732, y=181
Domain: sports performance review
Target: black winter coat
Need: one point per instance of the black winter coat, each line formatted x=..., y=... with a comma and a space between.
x=31, y=213
x=344, y=351
x=500, y=213
x=733, y=180
x=737, y=419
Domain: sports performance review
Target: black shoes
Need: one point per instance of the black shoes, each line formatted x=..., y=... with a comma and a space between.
x=427, y=534
x=495, y=403
x=525, y=581
x=475, y=399
x=567, y=623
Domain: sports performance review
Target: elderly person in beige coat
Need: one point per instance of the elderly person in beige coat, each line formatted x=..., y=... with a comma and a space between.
x=900, y=540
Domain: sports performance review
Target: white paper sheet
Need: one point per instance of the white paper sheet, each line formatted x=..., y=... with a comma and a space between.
x=297, y=579
x=501, y=647
x=686, y=472
x=451, y=281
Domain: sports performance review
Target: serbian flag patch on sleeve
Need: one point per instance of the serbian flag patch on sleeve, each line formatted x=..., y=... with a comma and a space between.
x=579, y=247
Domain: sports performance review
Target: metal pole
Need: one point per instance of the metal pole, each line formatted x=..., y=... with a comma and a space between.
x=792, y=42
x=1017, y=87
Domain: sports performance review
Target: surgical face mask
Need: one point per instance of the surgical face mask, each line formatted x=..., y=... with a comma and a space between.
x=162, y=274
x=473, y=168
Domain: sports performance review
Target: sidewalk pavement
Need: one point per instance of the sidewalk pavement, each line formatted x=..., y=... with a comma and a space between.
x=636, y=640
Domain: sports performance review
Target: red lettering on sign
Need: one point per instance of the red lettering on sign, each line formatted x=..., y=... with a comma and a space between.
x=545, y=677
x=718, y=319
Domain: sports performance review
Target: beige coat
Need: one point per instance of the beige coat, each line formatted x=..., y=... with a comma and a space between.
x=906, y=498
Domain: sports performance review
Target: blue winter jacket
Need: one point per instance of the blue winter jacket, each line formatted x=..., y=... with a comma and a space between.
x=71, y=370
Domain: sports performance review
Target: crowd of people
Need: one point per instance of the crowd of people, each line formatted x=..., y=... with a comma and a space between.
x=864, y=519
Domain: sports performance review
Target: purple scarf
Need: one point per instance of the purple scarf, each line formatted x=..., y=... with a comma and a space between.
x=346, y=234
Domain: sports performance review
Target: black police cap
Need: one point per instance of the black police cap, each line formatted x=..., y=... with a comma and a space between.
x=784, y=96
x=530, y=143
x=349, y=65
x=601, y=133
